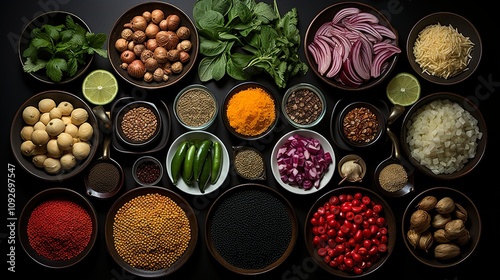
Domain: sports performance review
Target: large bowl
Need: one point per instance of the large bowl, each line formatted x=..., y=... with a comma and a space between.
x=163, y=193
x=138, y=10
x=26, y=161
x=472, y=225
x=347, y=78
x=470, y=163
x=47, y=197
x=461, y=25
x=337, y=198
x=251, y=119
x=194, y=189
x=52, y=18
x=294, y=187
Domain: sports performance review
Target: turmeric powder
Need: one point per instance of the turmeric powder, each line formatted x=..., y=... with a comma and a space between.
x=251, y=111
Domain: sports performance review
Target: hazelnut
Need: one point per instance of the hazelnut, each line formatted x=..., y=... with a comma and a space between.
x=127, y=56
x=151, y=44
x=138, y=48
x=151, y=64
x=157, y=16
x=136, y=69
x=121, y=44
x=183, y=32
x=173, y=55
x=173, y=22
x=184, y=56
x=139, y=36
x=127, y=34
x=151, y=30
x=167, y=39
x=160, y=54
x=146, y=54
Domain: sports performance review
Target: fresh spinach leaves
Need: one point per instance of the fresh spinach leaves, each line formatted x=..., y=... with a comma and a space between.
x=242, y=38
x=61, y=49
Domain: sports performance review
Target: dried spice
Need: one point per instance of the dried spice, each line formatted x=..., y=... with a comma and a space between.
x=249, y=163
x=139, y=124
x=196, y=107
x=148, y=172
x=393, y=177
x=104, y=177
x=360, y=125
x=303, y=106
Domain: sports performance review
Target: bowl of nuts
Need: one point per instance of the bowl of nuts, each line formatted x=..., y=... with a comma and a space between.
x=441, y=227
x=153, y=45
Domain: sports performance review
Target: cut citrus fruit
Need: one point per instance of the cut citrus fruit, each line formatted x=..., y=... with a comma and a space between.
x=100, y=87
x=403, y=89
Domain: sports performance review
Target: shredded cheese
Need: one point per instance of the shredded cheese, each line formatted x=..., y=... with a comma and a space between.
x=442, y=51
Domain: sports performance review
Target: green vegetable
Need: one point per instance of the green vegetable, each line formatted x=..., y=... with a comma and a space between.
x=242, y=38
x=187, y=166
x=61, y=49
x=199, y=158
x=177, y=161
x=216, y=162
x=205, y=174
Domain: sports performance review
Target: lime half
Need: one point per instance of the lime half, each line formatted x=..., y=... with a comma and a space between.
x=100, y=87
x=403, y=89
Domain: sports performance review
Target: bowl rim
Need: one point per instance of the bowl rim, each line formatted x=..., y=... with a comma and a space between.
x=445, y=18
x=316, y=91
x=17, y=122
x=327, y=146
x=129, y=106
x=115, y=34
x=242, y=86
x=375, y=110
x=143, y=159
x=392, y=62
x=26, y=37
x=205, y=89
x=142, y=190
x=50, y=194
x=466, y=104
x=463, y=197
x=388, y=214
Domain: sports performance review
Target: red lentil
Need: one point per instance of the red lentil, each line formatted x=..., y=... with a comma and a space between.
x=59, y=229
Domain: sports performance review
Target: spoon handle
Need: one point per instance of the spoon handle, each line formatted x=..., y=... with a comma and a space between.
x=395, y=144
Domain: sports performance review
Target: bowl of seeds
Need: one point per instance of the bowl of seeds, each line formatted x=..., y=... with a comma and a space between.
x=303, y=105
x=138, y=123
x=195, y=107
x=147, y=171
x=249, y=163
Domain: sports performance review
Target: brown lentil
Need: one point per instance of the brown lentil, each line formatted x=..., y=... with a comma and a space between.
x=151, y=232
x=249, y=163
x=139, y=124
x=393, y=177
x=195, y=107
x=104, y=177
x=360, y=125
x=303, y=106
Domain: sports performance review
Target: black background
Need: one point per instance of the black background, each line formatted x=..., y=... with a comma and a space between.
x=481, y=185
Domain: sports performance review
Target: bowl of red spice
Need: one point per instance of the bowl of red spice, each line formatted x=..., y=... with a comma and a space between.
x=250, y=110
x=58, y=227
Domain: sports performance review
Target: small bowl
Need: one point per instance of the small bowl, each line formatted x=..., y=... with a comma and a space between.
x=352, y=81
x=472, y=224
x=357, y=108
x=466, y=104
x=325, y=145
x=242, y=87
x=45, y=197
x=350, y=191
x=143, y=126
x=159, y=193
x=52, y=18
x=347, y=158
x=249, y=163
x=199, y=106
x=461, y=25
x=190, y=136
x=147, y=171
x=138, y=10
x=306, y=115
x=239, y=224
x=26, y=161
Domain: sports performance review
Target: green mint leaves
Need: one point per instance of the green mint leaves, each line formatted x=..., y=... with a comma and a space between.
x=61, y=49
x=242, y=38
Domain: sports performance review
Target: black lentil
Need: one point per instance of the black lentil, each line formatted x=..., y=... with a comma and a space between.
x=303, y=106
x=251, y=229
x=249, y=163
x=104, y=177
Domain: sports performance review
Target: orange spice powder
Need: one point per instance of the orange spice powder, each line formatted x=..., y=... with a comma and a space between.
x=251, y=111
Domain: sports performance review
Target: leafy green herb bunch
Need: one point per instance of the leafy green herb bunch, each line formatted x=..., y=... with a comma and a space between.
x=242, y=38
x=61, y=49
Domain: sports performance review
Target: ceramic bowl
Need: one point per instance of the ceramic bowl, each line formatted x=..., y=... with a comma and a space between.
x=469, y=162
x=202, y=107
x=462, y=26
x=65, y=198
x=116, y=33
x=52, y=18
x=301, y=108
x=250, y=118
x=347, y=77
x=161, y=195
x=193, y=189
x=26, y=162
x=472, y=224
x=337, y=197
x=147, y=171
x=126, y=119
x=277, y=166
